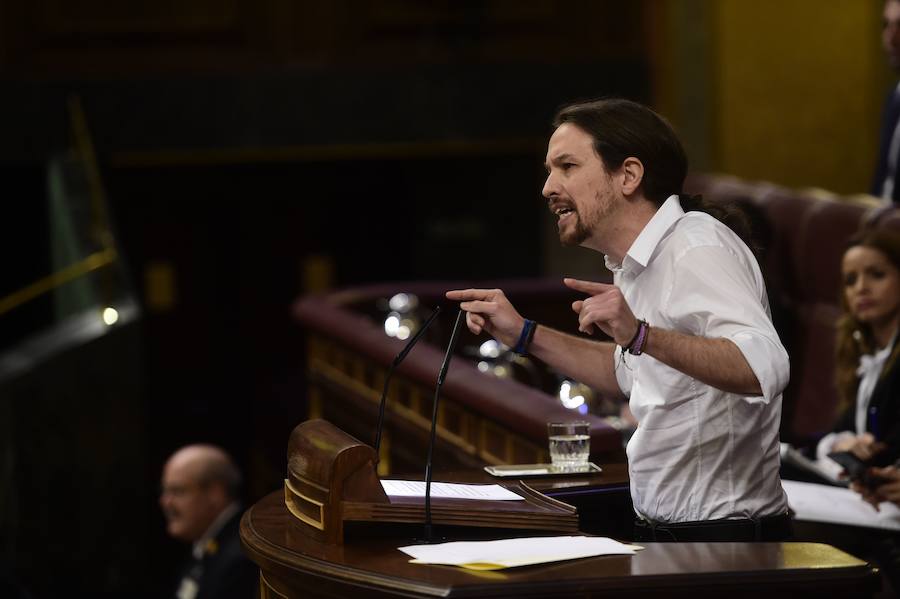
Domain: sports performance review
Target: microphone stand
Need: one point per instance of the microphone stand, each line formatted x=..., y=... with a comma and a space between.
x=387, y=379
x=437, y=392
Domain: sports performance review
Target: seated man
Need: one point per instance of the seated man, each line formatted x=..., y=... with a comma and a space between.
x=199, y=499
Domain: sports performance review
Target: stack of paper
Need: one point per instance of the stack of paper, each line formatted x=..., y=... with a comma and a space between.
x=826, y=469
x=415, y=488
x=509, y=553
x=824, y=503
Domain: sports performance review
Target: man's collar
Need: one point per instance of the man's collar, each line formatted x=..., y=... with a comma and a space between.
x=638, y=255
x=207, y=543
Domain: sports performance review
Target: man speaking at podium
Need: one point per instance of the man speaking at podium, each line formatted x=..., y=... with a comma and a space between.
x=693, y=346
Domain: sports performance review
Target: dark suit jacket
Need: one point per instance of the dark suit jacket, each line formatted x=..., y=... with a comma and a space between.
x=886, y=398
x=226, y=573
x=889, y=118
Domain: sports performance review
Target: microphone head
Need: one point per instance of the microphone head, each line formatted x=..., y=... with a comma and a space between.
x=415, y=338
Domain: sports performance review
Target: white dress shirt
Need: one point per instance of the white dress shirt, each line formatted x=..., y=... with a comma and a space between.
x=700, y=453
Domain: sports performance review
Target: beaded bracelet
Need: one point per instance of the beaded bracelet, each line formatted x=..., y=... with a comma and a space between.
x=636, y=347
x=525, y=338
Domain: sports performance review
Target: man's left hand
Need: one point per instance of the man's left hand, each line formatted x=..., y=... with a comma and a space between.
x=606, y=308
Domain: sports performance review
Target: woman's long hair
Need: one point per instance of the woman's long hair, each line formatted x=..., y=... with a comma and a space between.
x=854, y=338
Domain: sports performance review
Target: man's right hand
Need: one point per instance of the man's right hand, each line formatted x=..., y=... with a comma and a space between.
x=488, y=310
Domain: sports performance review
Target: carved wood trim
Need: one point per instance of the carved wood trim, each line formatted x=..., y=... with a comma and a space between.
x=293, y=499
x=266, y=590
x=476, y=435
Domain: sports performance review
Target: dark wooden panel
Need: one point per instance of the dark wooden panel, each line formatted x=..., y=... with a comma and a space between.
x=411, y=31
x=100, y=18
x=92, y=36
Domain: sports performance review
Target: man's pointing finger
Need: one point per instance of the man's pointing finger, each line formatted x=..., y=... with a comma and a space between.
x=590, y=287
x=470, y=294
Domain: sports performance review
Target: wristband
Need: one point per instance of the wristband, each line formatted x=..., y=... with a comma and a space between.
x=636, y=347
x=528, y=329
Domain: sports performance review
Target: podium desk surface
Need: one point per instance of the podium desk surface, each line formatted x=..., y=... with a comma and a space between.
x=612, y=477
x=368, y=564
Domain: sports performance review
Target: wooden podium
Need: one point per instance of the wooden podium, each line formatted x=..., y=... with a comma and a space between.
x=331, y=480
x=298, y=539
x=294, y=565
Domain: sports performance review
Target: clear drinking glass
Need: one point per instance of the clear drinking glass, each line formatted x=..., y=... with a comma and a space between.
x=570, y=445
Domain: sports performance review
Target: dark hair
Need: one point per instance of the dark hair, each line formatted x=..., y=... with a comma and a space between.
x=853, y=337
x=622, y=129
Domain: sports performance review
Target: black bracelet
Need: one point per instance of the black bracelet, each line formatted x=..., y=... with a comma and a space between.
x=633, y=339
x=525, y=338
x=636, y=347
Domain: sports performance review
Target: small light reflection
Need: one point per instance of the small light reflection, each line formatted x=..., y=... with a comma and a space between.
x=483, y=366
x=568, y=400
x=110, y=316
x=403, y=302
x=395, y=326
x=391, y=325
x=490, y=349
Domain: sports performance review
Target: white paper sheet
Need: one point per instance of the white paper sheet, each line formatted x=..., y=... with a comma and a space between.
x=509, y=553
x=416, y=488
x=826, y=468
x=824, y=503
x=526, y=471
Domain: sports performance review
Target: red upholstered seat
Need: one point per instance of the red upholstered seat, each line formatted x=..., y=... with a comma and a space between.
x=803, y=236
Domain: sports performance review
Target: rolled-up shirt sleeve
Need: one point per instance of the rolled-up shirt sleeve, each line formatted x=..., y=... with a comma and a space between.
x=717, y=292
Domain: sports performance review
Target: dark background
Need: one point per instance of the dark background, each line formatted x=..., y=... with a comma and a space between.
x=251, y=152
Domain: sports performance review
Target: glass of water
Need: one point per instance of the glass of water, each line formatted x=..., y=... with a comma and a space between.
x=570, y=445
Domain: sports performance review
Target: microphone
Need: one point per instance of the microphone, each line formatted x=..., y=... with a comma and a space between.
x=437, y=393
x=387, y=379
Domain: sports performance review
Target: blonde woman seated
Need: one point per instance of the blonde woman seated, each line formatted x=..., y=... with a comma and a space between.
x=867, y=372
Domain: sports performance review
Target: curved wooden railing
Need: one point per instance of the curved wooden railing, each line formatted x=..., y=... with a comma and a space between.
x=482, y=419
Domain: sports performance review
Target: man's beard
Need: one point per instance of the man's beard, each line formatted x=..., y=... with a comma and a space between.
x=577, y=235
